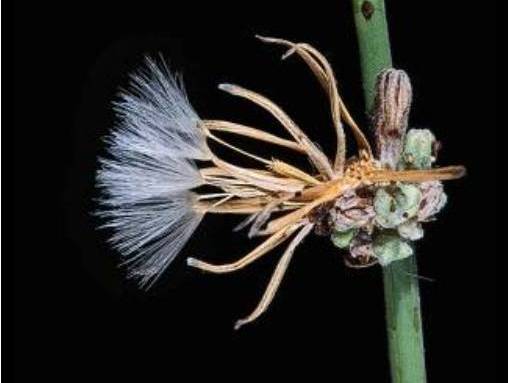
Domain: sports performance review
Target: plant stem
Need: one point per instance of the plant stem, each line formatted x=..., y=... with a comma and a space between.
x=402, y=296
x=404, y=322
x=374, y=44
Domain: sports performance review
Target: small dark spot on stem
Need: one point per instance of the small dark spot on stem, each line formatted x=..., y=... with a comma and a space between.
x=367, y=9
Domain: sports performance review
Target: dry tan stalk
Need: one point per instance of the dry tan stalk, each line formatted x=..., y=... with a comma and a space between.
x=259, y=179
x=285, y=169
x=270, y=243
x=263, y=216
x=276, y=166
x=295, y=216
x=324, y=73
x=277, y=276
x=242, y=130
x=437, y=174
x=237, y=206
x=236, y=149
x=317, y=157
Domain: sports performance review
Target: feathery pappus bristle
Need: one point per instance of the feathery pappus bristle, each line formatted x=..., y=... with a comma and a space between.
x=147, y=176
x=150, y=233
x=155, y=108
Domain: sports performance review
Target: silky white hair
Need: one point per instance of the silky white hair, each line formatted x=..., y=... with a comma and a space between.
x=147, y=176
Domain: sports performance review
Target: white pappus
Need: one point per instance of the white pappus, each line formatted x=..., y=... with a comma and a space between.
x=146, y=178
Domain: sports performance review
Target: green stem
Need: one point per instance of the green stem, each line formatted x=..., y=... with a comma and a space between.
x=402, y=296
x=404, y=322
x=373, y=42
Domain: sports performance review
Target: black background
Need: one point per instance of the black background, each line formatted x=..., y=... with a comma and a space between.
x=73, y=314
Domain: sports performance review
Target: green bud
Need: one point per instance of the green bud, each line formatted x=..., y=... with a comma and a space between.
x=393, y=206
x=389, y=248
x=342, y=239
x=417, y=152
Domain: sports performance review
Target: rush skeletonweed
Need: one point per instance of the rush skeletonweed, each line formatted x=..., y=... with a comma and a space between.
x=371, y=204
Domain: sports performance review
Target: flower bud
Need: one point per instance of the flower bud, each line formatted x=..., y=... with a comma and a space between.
x=411, y=230
x=433, y=200
x=342, y=239
x=396, y=205
x=389, y=248
x=418, y=150
x=391, y=112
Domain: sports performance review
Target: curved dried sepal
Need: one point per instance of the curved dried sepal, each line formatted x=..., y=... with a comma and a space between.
x=316, y=156
x=246, y=131
x=277, y=276
x=324, y=73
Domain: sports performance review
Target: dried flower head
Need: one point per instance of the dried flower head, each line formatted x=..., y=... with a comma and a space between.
x=372, y=206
